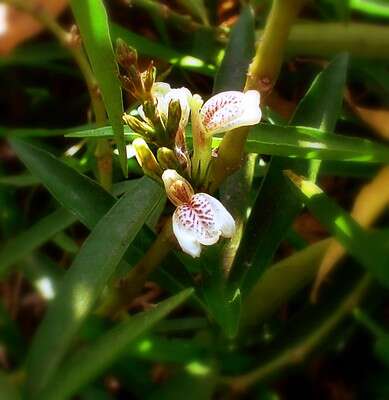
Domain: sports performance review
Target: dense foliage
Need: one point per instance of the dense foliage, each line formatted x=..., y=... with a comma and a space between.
x=161, y=242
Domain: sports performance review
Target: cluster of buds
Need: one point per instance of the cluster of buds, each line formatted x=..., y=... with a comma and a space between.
x=163, y=154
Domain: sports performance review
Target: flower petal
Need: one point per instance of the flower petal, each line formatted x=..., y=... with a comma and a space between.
x=160, y=89
x=229, y=110
x=188, y=242
x=201, y=221
x=223, y=219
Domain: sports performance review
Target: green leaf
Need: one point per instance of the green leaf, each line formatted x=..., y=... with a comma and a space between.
x=152, y=49
x=288, y=276
x=77, y=192
x=223, y=304
x=196, y=8
x=362, y=245
x=315, y=144
x=286, y=141
x=374, y=8
x=167, y=350
x=85, y=280
x=30, y=239
x=35, y=55
x=8, y=391
x=74, y=191
x=91, y=361
x=240, y=50
x=92, y=21
x=21, y=180
x=276, y=205
x=6, y=131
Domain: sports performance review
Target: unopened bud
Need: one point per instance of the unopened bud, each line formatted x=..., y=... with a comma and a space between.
x=178, y=189
x=167, y=159
x=150, y=110
x=174, y=118
x=146, y=159
x=139, y=126
x=126, y=56
x=148, y=78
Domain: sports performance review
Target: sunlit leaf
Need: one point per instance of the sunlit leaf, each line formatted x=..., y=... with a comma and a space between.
x=92, y=21
x=18, y=247
x=91, y=361
x=85, y=280
x=276, y=205
x=362, y=245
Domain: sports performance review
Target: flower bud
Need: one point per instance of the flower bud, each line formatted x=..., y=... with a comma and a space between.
x=174, y=118
x=167, y=159
x=148, y=78
x=178, y=189
x=126, y=56
x=146, y=159
x=139, y=126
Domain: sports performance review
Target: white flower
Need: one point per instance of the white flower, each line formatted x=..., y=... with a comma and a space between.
x=199, y=219
x=230, y=110
x=164, y=95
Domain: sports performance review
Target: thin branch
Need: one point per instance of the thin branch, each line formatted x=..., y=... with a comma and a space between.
x=70, y=41
x=262, y=75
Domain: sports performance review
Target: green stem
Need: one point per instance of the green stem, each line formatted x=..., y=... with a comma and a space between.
x=202, y=155
x=68, y=40
x=328, y=39
x=265, y=67
x=262, y=75
x=131, y=285
x=298, y=352
x=234, y=194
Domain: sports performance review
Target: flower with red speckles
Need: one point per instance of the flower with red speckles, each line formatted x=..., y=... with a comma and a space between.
x=199, y=219
x=230, y=110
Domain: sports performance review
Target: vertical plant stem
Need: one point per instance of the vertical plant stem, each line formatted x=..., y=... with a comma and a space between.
x=262, y=75
x=70, y=42
x=234, y=194
x=130, y=286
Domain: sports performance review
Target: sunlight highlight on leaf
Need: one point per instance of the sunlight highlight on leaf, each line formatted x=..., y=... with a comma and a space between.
x=369, y=204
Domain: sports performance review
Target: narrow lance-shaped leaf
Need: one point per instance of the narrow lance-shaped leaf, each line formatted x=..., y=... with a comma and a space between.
x=86, y=278
x=18, y=247
x=276, y=205
x=88, y=363
x=287, y=141
x=371, y=201
x=76, y=192
x=92, y=20
x=239, y=52
x=362, y=245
